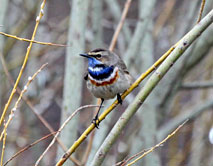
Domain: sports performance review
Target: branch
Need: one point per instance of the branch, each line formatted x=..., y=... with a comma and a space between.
x=61, y=128
x=120, y=25
x=159, y=144
x=28, y=146
x=184, y=43
x=73, y=69
x=189, y=114
x=197, y=85
x=25, y=99
x=33, y=41
x=30, y=79
x=110, y=108
x=6, y=124
x=201, y=10
x=24, y=63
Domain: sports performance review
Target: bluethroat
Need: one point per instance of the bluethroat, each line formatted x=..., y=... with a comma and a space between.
x=106, y=77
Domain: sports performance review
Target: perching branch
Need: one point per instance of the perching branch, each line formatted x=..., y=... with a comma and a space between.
x=109, y=109
x=183, y=44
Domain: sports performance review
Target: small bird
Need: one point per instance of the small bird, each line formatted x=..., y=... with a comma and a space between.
x=106, y=77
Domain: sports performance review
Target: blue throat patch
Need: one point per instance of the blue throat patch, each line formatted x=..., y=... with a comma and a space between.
x=105, y=71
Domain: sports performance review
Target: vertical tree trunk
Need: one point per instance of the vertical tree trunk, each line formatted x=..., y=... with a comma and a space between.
x=73, y=71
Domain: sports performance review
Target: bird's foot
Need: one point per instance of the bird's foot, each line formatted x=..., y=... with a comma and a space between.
x=96, y=122
x=119, y=99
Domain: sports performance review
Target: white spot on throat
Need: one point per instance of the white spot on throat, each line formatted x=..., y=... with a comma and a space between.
x=95, y=69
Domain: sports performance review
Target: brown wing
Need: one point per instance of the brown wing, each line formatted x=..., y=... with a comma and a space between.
x=122, y=66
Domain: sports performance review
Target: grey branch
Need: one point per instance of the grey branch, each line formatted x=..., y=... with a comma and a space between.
x=197, y=85
x=189, y=114
x=186, y=41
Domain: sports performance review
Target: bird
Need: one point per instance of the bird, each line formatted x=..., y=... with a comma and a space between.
x=106, y=76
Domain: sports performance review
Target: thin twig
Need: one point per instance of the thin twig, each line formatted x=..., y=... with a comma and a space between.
x=24, y=63
x=120, y=25
x=3, y=145
x=33, y=41
x=4, y=132
x=159, y=144
x=28, y=146
x=136, y=155
x=201, y=10
x=61, y=128
x=123, y=162
x=43, y=121
x=30, y=79
x=192, y=113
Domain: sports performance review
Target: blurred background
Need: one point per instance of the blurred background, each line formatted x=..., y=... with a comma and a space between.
x=150, y=29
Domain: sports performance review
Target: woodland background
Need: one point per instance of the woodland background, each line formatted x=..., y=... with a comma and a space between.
x=150, y=29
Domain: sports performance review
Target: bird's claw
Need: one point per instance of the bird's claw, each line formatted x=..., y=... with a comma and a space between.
x=119, y=99
x=96, y=122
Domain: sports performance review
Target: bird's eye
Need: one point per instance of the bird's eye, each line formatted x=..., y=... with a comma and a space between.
x=98, y=55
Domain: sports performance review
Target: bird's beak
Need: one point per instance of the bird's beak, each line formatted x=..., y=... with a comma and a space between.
x=85, y=55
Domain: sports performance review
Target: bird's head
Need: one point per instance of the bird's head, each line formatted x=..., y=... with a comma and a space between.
x=101, y=56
